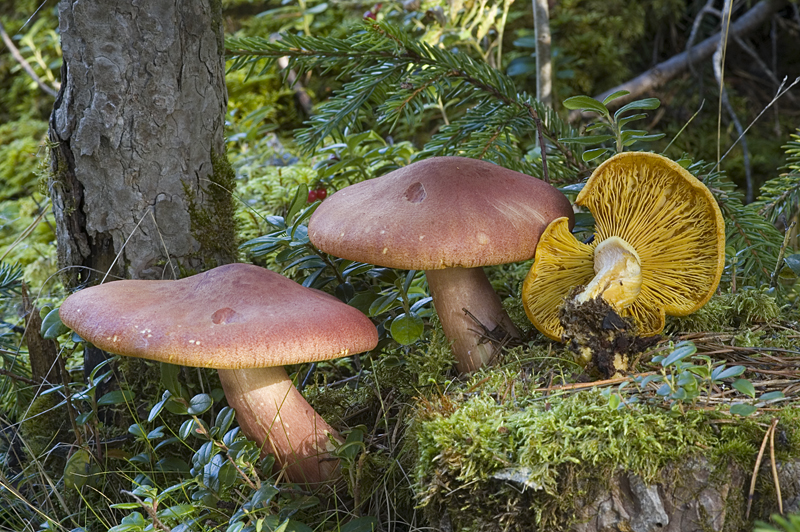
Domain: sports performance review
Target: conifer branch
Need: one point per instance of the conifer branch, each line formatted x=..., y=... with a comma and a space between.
x=391, y=76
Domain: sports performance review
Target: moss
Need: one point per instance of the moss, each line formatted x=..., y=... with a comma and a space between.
x=496, y=464
x=213, y=221
x=742, y=309
x=45, y=424
x=750, y=306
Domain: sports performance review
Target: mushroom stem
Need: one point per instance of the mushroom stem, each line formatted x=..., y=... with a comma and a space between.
x=275, y=415
x=618, y=274
x=456, y=289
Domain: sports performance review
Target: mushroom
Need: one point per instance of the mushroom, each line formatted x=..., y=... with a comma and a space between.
x=659, y=247
x=448, y=216
x=246, y=322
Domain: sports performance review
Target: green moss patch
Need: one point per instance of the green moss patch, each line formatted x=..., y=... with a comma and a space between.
x=507, y=465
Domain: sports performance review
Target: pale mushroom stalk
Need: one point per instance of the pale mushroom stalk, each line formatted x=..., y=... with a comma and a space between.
x=618, y=274
x=271, y=410
x=456, y=289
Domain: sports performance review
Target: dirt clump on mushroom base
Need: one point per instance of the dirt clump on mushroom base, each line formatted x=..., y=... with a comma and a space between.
x=601, y=339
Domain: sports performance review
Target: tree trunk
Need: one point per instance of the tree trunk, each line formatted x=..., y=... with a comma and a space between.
x=141, y=186
x=140, y=182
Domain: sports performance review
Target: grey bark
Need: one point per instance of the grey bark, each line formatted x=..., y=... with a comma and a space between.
x=136, y=123
x=544, y=64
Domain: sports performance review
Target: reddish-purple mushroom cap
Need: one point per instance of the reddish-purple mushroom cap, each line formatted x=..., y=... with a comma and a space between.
x=245, y=321
x=448, y=216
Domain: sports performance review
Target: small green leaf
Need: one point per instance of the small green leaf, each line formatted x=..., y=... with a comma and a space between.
x=792, y=261
x=628, y=119
x=319, y=8
x=79, y=469
x=200, y=403
x=615, y=95
x=225, y=419
x=115, y=398
x=126, y=506
x=681, y=351
x=407, y=329
x=771, y=396
x=52, y=327
x=299, y=200
x=742, y=409
x=177, y=511
x=383, y=303
x=591, y=155
x=745, y=386
x=84, y=418
x=176, y=406
x=186, y=429
x=679, y=395
x=643, y=138
x=169, y=378
x=614, y=401
x=159, y=406
x=647, y=104
x=664, y=390
x=585, y=103
x=137, y=431
x=724, y=373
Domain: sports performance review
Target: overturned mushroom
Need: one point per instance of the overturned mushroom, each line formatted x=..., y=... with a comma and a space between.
x=659, y=247
x=246, y=322
x=449, y=216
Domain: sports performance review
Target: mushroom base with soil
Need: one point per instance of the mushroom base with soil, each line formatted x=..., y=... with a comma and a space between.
x=601, y=340
x=270, y=409
x=456, y=289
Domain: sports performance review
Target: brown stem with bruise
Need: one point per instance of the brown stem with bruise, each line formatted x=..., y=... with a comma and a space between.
x=456, y=289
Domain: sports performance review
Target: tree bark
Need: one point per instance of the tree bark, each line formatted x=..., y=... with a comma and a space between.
x=138, y=158
x=140, y=184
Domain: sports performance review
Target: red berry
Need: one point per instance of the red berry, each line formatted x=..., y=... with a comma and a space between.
x=369, y=15
x=322, y=193
x=312, y=196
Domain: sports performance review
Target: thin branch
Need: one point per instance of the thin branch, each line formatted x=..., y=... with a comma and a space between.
x=758, y=464
x=707, y=9
x=663, y=72
x=24, y=64
x=781, y=91
x=774, y=466
x=719, y=69
x=20, y=378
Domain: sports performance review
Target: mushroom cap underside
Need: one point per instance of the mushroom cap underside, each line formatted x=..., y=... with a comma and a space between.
x=438, y=213
x=231, y=317
x=666, y=214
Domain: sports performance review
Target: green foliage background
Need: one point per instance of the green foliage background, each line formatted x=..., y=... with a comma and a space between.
x=423, y=79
